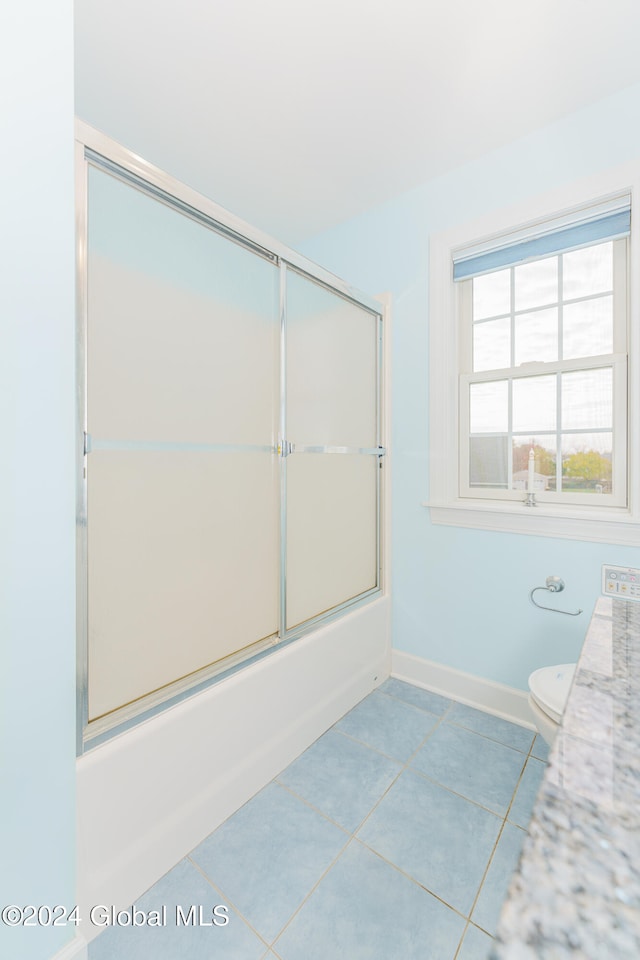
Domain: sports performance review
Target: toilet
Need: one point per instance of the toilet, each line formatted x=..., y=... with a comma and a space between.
x=548, y=692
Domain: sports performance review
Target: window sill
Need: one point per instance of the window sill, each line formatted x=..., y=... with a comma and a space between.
x=614, y=525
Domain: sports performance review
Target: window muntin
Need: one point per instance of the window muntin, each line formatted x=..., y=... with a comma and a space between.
x=543, y=367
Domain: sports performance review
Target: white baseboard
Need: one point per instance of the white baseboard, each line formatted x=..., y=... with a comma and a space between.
x=149, y=796
x=494, y=698
x=76, y=949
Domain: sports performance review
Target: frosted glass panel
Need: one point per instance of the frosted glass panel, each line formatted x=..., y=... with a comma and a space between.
x=182, y=348
x=331, y=368
x=331, y=532
x=183, y=566
x=183, y=354
x=182, y=337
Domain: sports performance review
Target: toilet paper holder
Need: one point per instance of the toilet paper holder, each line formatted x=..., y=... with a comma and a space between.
x=553, y=585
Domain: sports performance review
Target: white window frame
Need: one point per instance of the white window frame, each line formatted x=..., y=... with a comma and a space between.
x=616, y=361
x=570, y=519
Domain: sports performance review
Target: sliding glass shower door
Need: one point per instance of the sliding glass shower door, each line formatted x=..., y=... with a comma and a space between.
x=332, y=470
x=231, y=469
x=182, y=414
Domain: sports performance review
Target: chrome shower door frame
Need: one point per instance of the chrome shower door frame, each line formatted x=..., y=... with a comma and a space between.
x=93, y=148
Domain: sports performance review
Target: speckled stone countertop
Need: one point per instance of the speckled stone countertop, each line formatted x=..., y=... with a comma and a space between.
x=576, y=892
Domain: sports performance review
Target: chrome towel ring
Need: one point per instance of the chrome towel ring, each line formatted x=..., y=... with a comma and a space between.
x=553, y=585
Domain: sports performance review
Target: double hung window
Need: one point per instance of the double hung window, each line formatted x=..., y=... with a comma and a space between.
x=542, y=362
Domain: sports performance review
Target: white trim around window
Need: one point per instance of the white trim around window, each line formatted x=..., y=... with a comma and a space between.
x=607, y=524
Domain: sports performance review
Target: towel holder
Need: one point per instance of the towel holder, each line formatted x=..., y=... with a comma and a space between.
x=553, y=585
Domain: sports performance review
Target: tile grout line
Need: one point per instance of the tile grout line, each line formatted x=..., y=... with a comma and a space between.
x=311, y=806
x=451, y=704
x=351, y=836
x=498, y=838
x=445, y=718
x=525, y=754
x=413, y=880
x=312, y=890
x=227, y=899
x=459, y=947
x=405, y=767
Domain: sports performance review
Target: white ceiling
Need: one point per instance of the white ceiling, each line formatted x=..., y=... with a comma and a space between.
x=297, y=115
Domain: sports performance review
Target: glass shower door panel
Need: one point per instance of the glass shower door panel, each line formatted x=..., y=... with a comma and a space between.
x=182, y=400
x=183, y=569
x=182, y=326
x=331, y=532
x=332, y=364
x=332, y=473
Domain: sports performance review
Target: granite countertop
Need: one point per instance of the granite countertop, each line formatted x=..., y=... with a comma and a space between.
x=576, y=892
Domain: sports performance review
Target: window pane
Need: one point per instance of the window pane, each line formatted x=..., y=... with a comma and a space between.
x=544, y=449
x=588, y=271
x=587, y=462
x=587, y=328
x=491, y=294
x=488, y=407
x=492, y=344
x=534, y=404
x=536, y=283
x=536, y=336
x=488, y=462
x=587, y=399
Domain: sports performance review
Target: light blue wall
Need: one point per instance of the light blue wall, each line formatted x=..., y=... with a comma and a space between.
x=490, y=629
x=37, y=634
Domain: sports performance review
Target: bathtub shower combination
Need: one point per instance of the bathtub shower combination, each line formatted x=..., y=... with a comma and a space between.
x=230, y=451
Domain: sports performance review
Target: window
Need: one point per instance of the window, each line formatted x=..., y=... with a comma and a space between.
x=543, y=371
x=528, y=377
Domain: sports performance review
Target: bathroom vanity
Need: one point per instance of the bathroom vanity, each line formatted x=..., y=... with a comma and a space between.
x=576, y=892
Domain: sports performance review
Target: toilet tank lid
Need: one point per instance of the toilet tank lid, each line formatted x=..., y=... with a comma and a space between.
x=550, y=688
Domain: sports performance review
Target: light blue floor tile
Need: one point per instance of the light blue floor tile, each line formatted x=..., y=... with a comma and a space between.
x=476, y=945
x=267, y=857
x=364, y=909
x=528, y=787
x=388, y=725
x=493, y=727
x=441, y=840
x=481, y=770
x=340, y=777
x=540, y=748
x=505, y=859
x=182, y=886
x=418, y=697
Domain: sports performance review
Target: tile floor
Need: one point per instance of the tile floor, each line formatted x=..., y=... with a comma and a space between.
x=393, y=837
